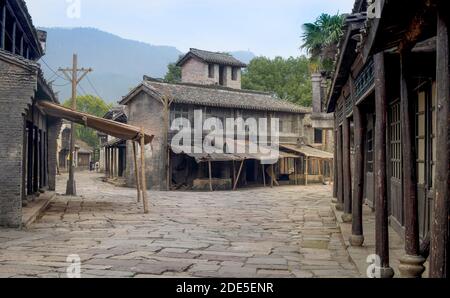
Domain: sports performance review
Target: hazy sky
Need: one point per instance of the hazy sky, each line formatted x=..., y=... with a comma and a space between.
x=265, y=27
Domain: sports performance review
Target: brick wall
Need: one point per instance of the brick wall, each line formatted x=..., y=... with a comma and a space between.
x=197, y=72
x=53, y=130
x=17, y=85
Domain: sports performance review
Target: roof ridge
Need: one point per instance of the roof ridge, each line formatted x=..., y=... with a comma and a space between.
x=214, y=87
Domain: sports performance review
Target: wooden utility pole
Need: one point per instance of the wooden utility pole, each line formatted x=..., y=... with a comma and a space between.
x=72, y=75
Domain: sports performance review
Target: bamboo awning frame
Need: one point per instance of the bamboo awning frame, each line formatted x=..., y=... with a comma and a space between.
x=109, y=127
x=112, y=128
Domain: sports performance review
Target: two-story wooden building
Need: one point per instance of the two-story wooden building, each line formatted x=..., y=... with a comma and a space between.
x=390, y=95
x=211, y=84
x=27, y=135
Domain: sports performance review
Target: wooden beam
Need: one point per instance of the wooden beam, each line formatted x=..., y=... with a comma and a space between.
x=14, y=38
x=143, y=179
x=238, y=175
x=136, y=172
x=339, y=174
x=381, y=203
x=3, y=33
x=411, y=265
x=210, y=176
x=439, y=267
x=346, y=162
x=357, y=237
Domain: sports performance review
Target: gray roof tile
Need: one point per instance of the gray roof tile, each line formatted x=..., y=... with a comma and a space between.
x=212, y=57
x=214, y=96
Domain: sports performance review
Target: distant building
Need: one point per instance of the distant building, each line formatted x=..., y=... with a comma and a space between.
x=27, y=136
x=211, y=83
x=83, y=152
x=210, y=68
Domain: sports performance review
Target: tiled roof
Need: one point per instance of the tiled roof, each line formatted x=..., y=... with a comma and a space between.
x=214, y=96
x=211, y=57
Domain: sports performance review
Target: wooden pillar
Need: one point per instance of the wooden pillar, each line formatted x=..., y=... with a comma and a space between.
x=106, y=157
x=346, y=162
x=210, y=176
x=381, y=204
x=439, y=258
x=335, y=185
x=263, y=173
x=3, y=33
x=306, y=170
x=238, y=175
x=357, y=237
x=272, y=174
x=14, y=28
x=143, y=178
x=411, y=265
x=339, y=173
x=136, y=172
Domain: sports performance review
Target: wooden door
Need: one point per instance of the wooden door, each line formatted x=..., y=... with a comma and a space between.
x=425, y=127
x=395, y=193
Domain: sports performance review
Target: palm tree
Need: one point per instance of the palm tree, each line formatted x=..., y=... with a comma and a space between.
x=320, y=39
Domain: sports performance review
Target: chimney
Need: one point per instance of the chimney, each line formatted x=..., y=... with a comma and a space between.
x=317, y=90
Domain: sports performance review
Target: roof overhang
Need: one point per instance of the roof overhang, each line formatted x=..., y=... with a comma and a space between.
x=112, y=128
x=344, y=64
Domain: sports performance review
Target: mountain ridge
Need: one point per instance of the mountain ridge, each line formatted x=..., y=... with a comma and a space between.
x=119, y=63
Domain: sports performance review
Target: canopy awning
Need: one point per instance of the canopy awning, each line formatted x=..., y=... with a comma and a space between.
x=205, y=157
x=308, y=151
x=109, y=127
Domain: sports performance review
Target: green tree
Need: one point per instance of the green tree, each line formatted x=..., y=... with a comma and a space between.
x=321, y=38
x=288, y=78
x=91, y=105
x=173, y=74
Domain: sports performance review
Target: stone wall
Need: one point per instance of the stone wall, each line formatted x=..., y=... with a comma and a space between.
x=146, y=112
x=53, y=130
x=17, y=86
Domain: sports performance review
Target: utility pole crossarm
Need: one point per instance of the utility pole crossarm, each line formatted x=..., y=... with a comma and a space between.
x=85, y=72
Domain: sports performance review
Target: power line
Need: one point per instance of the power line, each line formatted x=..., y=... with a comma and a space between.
x=92, y=85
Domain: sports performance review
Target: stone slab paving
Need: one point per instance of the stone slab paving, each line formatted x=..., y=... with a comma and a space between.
x=286, y=231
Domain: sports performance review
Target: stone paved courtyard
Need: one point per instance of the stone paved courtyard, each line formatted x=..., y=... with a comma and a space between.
x=281, y=232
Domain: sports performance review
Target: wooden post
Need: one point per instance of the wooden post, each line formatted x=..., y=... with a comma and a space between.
x=3, y=33
x=357, y=237
x=210, y=176
x=439, y=267
x=263, y=174
x=169, y=169
x=272, y=174
x=136, y=172
x=320, y=171
x=381, y=208
x=143, y=179
x=346, y=161
x=335, y=189
x=234, y=172
x=339, y=174
x=411, y=265
x=295, y=171
x=238, y=175
x=306, y=170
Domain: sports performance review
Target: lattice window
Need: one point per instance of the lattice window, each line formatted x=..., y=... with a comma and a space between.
x=395, y=141
x=420, y=137
x=365, y=79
